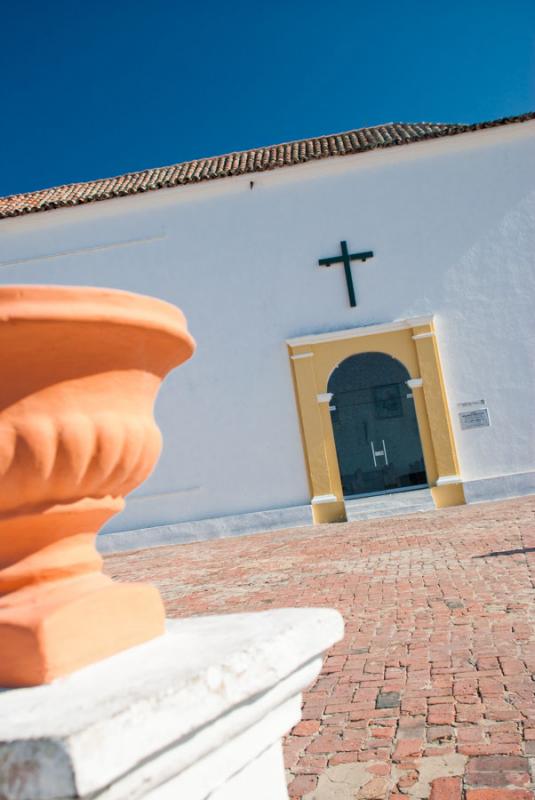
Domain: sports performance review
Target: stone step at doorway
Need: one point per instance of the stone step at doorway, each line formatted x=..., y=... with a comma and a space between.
x=389, y=505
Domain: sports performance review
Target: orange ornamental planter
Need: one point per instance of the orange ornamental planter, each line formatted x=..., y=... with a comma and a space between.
x=80, y=369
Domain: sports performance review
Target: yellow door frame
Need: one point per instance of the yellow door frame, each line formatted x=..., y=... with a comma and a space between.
x=413, y=343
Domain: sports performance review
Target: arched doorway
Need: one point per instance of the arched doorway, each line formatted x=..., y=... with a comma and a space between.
x=374, y=425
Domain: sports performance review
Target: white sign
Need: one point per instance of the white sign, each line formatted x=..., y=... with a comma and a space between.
x=474, y=419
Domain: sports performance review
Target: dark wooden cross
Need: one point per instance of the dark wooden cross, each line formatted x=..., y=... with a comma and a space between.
x=346, y=258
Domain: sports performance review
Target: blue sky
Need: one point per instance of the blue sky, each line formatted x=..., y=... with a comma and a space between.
x=96, y=88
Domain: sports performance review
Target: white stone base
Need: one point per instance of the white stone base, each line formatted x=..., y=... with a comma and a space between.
x=205, y=529
x=196, y=714
x=501, y=487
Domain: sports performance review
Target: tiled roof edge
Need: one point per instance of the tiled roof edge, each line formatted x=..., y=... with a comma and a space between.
x=244, y=162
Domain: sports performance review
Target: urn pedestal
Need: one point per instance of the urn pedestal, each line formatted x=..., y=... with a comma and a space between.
x=196, y=714
x=80, y=369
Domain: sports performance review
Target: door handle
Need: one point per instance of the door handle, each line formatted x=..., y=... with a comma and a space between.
x=376, y=453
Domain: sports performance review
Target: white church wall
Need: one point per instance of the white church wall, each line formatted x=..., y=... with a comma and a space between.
x=452, y=226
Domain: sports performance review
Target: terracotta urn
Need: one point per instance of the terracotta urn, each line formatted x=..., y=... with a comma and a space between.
x=80, y=369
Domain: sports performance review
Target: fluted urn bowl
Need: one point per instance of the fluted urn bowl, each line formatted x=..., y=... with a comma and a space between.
x=79, y=372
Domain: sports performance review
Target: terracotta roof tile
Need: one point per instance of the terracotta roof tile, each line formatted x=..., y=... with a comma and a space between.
x=243, y=163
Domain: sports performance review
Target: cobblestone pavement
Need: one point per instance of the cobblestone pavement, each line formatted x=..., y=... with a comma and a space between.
x=430, y=695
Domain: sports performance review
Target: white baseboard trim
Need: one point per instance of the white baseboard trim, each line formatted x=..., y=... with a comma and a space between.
x=205, y=529
x=499, y=487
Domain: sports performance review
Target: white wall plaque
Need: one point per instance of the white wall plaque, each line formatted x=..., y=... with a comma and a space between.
x=478, y=418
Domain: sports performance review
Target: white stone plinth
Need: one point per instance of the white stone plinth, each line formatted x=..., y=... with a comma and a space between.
x=197, y=714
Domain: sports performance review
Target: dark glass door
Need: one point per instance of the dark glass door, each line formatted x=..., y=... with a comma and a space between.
x=375, y=428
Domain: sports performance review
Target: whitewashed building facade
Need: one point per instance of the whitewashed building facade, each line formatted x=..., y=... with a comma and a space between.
x=297, y=400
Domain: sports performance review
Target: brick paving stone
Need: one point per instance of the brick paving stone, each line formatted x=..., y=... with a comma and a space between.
x=387, y=700
x=439, y=612
x=311, y=765
x=497, y=771
x=446, y=789
x=406, y=748
x=306, y=728
x=301, y=785
x=440, y=733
